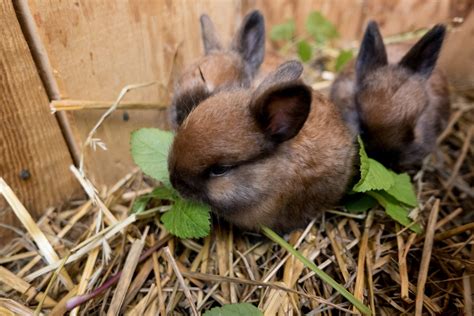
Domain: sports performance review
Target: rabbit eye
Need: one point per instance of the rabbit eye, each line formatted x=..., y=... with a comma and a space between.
x=202, y=75
x=219, y=170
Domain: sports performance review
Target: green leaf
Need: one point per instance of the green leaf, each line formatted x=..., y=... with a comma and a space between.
x=164, y=193
x=395, y=210
x=150, y=148
x=140, y=204
x=305, y=51
x=241, y=309
x=359, y=203
x=364, y=159
x=377, y=178
x=284, y=31
x=373, y=175
x=320, y=28
x=342, y=59
x=403, y=190
x=187, y=219
x=320, y=273
x=393, y=191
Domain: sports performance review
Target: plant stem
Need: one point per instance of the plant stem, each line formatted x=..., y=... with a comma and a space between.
x=81, y=299
x=325, y=277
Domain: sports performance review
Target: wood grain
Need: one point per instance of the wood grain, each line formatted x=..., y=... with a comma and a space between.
x=30, y=138
x=97, y=47
x=350, y=16
x=457, y=57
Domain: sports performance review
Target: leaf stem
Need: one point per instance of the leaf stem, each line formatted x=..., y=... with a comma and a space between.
x=325, y=277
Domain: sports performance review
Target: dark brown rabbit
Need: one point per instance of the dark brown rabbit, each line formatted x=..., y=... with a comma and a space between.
x=219, y=67
x=275, y=155
x=398, y=104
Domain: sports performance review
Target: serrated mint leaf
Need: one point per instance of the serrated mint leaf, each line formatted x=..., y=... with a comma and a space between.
x=241, y=309
x=187, y=219
x=364, y=159
x=305, y=51
x=342, y=59
x=150, y=148
x=403, y=190
x=395, y=210
x=164, y=193
x=320, y=28
x=373, y=175
x=283, y=31
x=140, y=204
x=377, y=178
x=359, y=203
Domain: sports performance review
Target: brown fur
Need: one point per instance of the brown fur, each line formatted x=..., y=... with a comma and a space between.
x=281, y=184
x=402, y=116
x=219, y=67
x=399, y=112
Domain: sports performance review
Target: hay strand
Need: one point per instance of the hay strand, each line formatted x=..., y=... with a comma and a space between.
x=38, y=236
x=126, y=277
x=74, y=105
x=426, y=257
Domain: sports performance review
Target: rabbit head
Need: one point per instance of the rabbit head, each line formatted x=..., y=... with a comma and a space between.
x=275, y=155
x=399, y=108
x=220, y=67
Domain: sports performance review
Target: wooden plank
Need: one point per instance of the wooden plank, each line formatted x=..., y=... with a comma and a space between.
x=345, y=14
x=395, y=17
x=34, y=158
x=456, y=58
x=95, y=48
x=350, y=17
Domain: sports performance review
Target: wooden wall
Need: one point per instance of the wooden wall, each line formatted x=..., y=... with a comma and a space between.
x=457, y=57
x=34, y=158
x=91, y=49
x=351, y=16
x=98, y=47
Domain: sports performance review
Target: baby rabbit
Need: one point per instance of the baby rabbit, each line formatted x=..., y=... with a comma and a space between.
x=275, y=155
x=399, y=105
x=220, y=67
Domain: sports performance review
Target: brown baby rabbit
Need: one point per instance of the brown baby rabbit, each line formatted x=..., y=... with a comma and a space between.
x=220, y=67
x=398, y=104
x=275, y=155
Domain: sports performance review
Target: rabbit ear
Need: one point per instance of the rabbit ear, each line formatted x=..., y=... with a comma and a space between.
x=286, y=72
x=281, y=104
x=209, y=36
x=372, y=52
x=249, y=41
x=422, y=57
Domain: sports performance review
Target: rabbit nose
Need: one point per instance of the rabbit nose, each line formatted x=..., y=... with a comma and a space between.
x=175, y=180
x=180, y=184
